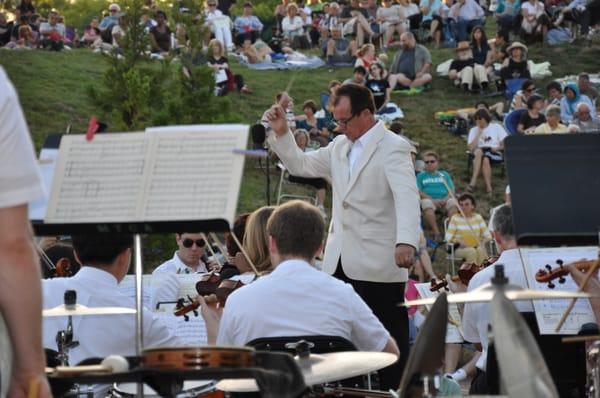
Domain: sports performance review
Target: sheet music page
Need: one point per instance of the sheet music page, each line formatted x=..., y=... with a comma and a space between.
x=194, y=173
x=127, y=287
x=187, y=284
x=99, y=180
x=191, y=332
x=549, y=312
x=453, y=333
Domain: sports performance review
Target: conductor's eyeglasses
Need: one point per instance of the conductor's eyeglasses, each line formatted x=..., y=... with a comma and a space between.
x=188, y=243
x=345, y=121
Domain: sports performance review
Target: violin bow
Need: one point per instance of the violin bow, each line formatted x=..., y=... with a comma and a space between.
x=587, y=277
x=245, y=254
x=211, y=250
x=479, y=243
x=45, y=258
x=218, y=242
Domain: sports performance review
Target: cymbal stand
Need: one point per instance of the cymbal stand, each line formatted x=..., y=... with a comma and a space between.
x=64, y=338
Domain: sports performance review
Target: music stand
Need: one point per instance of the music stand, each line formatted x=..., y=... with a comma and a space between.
x=555, y=188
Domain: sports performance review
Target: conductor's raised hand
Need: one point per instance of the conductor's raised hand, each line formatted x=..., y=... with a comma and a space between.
x=277, y=120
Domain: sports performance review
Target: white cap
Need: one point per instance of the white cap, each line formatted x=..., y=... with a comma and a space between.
x=114, y=6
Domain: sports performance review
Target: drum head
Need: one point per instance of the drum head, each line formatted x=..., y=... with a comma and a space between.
x=130, y=389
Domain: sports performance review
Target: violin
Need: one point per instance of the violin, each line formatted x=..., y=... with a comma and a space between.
x=210, y=284
x=438, y=285
x=549, y=274
x=467, y=270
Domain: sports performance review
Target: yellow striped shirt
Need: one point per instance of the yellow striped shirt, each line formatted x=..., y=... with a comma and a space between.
x=459, y=230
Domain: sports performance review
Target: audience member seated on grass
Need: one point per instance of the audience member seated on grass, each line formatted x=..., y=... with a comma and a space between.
x=533, y=118
x=225, y=80
x=411, y=65
x=316, y=127
x=469, y=234
x=482, y=52
x=160, y=35
x=519, y=100
x=119, y=31
x=355, y=20
x=25, y=40
x=412, y=14
x=515, y=66
x=147, y=22
x=507, y=14
x=499, y=46
x=91, y=35
x=109, y=22
x=339, y=50
x=247, y=26
x=486, y=142
x=464, y=72
x=535, y=23
x=70, y=33
x=292, y=28
x=53, y=33
x=583, y=121
x=466, y=14
x=585, y=88
x=330, y=20
x=302, y=140
x=5, y=29
x=568, y=103
x=390, y=18
x=431, y=10
x=219, y=24
x=25, y=9
x=553, y=124
x=365, y=56
x=553, y=93
x=359, y=76
x=433, y=185
x=379, y=87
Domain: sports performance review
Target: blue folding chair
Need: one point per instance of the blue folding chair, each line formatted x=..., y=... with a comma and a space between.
x=512, y=86
x=511, y=121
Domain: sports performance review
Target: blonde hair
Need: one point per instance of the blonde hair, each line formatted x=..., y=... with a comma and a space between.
x=363, y=50
x=290, y=7
x=211, y=47
x=256, y=238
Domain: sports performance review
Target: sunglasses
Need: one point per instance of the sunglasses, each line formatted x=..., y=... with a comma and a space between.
x=430, y=161
x=212, y=5
x=188, y=243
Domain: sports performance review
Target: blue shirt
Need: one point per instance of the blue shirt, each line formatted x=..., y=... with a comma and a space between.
x=434, y=8
x=431, y=183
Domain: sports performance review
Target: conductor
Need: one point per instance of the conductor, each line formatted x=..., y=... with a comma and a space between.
x=374, y=227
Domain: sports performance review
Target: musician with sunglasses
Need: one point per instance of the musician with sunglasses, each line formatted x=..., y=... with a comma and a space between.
x=374, y=226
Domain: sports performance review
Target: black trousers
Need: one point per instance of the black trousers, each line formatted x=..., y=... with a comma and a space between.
x=383, y=299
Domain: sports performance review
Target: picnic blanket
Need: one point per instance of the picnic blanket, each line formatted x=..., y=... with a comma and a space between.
x=538, y=70
x=289, y=61
x=594, y=80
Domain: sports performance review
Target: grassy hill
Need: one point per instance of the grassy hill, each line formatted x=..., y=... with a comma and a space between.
x=53, y=92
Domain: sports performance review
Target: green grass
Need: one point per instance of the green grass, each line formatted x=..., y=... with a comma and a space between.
x=52, y=89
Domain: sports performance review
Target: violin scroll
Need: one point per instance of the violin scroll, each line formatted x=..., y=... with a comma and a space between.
x=549, y=274
x=437, y=285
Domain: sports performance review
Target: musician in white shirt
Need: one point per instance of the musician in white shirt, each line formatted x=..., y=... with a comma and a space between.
x=105, y=261
x=296, y=298
x=20, y=298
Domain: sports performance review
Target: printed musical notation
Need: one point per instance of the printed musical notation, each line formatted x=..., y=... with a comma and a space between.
x=453, y=333
x=549, y=312
x=176, y=174
x=191, y=332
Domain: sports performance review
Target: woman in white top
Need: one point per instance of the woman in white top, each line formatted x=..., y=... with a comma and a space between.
x=412, y=14
x=292, y=25
x=219, y=24
x=390, y=17
x=485, y=141
x=535, y=20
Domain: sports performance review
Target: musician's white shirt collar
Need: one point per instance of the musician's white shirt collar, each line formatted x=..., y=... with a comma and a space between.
x=359, y=145
x=175, y=265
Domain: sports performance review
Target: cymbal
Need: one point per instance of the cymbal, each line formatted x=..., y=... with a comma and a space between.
x=323, y=368
x=486, y=293
x=79, y=309
x=426, y=355
x=510, y=331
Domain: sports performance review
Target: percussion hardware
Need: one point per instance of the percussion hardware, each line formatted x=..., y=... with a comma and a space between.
x=64, y=338
x=110, y=364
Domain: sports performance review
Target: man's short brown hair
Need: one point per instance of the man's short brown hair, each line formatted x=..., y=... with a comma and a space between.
x=297, y=228
x=432, y=154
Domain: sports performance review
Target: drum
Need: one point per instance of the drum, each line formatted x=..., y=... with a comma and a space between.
x=593, y=378
x=191, y=389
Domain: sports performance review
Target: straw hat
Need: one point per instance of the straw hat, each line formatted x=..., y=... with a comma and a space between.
x=516, y=44
x=462, y=46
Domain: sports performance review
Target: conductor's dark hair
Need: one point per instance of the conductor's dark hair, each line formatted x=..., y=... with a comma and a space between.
x=360, y=97
x=101, y=249
x=503, y=221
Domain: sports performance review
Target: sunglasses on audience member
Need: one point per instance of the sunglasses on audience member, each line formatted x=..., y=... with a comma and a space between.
x=188, y=243
x=530, y=90
x=430, y=161
x=212, y=5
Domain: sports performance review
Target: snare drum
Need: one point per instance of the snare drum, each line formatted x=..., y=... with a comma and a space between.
x=191, y=389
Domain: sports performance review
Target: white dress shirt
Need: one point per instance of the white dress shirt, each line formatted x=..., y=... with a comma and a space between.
x=296, y=300
x=476, y=316
x=165, y=283
x=358, y=146
x=101, y=335
x=176, y=266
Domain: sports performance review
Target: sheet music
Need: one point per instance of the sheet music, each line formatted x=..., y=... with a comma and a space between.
x=187, y=285
x=193, y=332
x=175, y=174
x=453, y=333
x=127, y=287
x=549, y=312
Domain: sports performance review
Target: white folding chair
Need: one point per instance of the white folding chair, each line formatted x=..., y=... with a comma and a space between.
x=451, y=256
x=283, y=180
